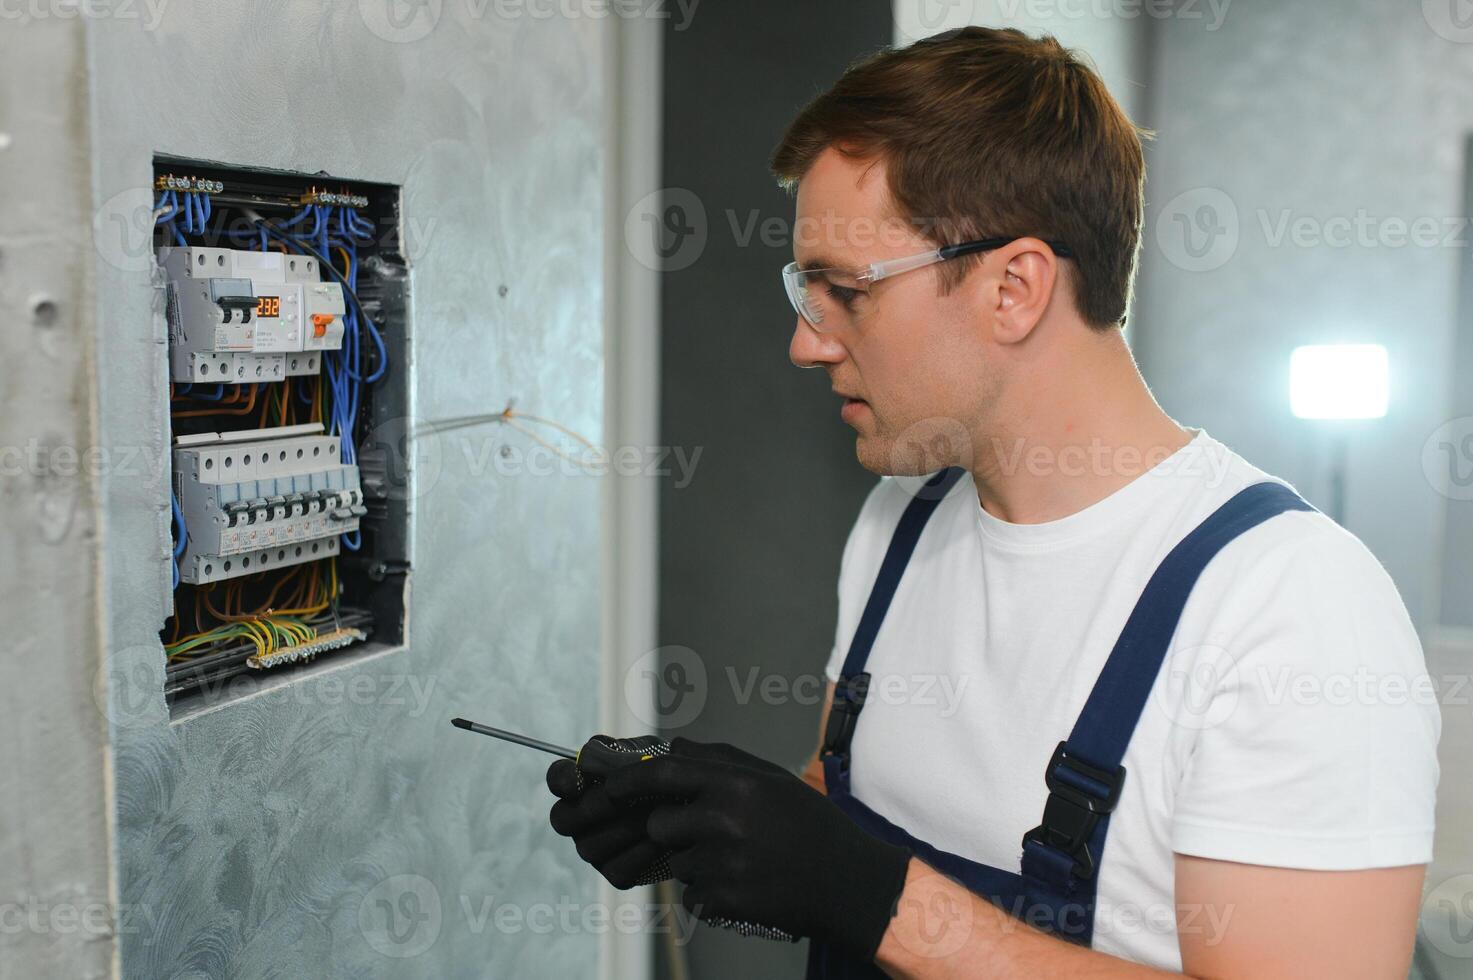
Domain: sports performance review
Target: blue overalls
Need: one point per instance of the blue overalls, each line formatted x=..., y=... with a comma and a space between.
x=1054, y=890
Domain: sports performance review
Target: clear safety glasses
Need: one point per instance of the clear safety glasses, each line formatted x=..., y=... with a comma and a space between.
x=831, y=299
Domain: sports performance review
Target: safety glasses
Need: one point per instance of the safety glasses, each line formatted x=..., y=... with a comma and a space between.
x=830, y=299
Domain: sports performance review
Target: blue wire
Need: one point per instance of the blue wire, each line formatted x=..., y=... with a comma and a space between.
x=300, y=217
x=355, y=543
x=219, y=394
x=169, y=200
x=179, y=545
x=351, y=320
x=344, y=366
x=324, y=219
x=316, y=213
x=383, y=354
x=179, y=523
x=165, y=202
x=350, y=379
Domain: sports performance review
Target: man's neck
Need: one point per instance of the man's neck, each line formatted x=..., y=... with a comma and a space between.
x=1069, y=431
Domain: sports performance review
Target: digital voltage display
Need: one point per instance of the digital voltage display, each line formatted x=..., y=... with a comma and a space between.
x=268, y=306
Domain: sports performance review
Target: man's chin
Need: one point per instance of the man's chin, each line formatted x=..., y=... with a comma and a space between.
x=890, y=457
x=879, y=456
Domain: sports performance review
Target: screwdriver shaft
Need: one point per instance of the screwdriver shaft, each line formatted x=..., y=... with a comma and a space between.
x=527, y=740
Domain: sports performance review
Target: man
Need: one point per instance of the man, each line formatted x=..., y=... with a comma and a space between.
x=1143, y=768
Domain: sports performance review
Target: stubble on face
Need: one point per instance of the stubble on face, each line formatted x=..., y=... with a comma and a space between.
x=929, y=422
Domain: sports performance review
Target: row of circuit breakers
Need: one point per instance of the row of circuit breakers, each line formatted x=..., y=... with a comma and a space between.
x=255, y=499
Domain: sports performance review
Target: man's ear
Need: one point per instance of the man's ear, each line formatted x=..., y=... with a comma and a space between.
x=1026, y=284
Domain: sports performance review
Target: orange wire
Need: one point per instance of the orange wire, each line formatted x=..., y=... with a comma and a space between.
x=249, y=407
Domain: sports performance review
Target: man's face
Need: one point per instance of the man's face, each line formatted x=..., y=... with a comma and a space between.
x=912, y=366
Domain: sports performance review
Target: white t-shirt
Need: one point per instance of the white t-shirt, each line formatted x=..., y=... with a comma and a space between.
x=1293, y=723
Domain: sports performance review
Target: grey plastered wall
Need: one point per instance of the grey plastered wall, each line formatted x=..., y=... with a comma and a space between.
x=270, y=836
x=1316, y=112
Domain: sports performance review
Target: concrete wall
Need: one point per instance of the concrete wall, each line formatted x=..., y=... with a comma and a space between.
x=56, y=898
x=335, y=825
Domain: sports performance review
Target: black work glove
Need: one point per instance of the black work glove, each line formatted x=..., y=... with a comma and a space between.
x=611, y=836
x=753, y=842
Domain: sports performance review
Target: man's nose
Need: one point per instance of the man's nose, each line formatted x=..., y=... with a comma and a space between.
x=810, y=349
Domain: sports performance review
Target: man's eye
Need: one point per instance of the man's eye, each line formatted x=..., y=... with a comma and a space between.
x=844, y=295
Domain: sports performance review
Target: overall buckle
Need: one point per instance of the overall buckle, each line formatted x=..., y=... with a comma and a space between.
x=1075, y=806
x=849, y=695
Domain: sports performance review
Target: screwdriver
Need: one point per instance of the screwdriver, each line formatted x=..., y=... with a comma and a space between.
x=599, y=756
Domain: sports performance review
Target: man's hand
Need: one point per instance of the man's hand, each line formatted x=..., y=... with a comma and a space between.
x=754, y=842
x=610, y=836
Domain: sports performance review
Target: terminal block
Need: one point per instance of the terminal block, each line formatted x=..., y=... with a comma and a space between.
x=242, y=317
x=259, y=499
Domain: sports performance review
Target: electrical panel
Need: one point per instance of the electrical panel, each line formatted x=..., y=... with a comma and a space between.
x=286, y=299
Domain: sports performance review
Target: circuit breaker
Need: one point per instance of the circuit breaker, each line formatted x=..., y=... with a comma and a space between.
x=243, y=317
x=261, y=499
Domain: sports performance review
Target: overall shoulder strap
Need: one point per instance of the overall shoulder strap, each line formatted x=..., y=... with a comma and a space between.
x=1085, y=776
x=853, y=681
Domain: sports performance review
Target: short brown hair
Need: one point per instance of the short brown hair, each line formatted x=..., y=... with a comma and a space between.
x=990, y=132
